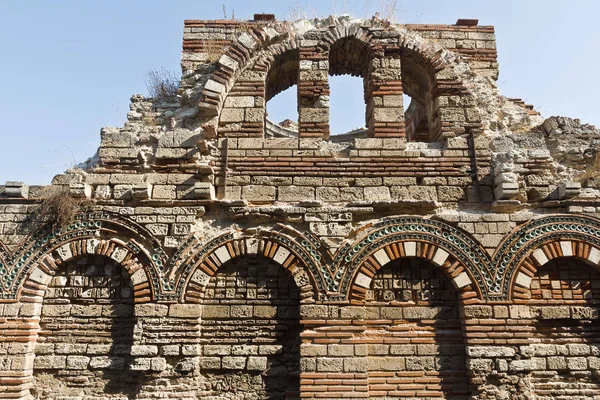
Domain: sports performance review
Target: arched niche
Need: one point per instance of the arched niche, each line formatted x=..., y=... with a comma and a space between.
x=251, y=330
x=86, y=334
x=414, y=329
x=562, y=303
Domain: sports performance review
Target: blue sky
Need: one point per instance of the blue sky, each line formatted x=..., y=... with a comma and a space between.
x=69, y=67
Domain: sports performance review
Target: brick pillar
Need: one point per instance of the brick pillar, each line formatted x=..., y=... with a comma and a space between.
x=385, y=110
x=19, y=332
x=497, y=337
x=313, y=91
x=333, y=353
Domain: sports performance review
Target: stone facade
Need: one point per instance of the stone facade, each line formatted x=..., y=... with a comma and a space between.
x=450, y=250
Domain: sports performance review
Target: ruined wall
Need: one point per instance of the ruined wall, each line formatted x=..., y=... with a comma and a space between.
x=447, y=251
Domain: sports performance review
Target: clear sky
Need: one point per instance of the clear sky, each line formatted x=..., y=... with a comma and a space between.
x=68, y=67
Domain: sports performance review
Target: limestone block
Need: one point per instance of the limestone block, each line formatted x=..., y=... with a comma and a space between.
x=144, y=350
x=257, y=363
x=296, y=193
x=313, y=350
x=258, y=193
x=202, y=190
x=141, y=191
x=355, y=365
x=451, y=193
x=115, y=138
x=522, y=365
x=164, y=192
x=214, y=311
x=576, y=363
x=232, y=115
x=481, y=365
x=210, y=363
x=239, y=101
x=169, y=350
x=506, y=191
x=421, y=312
x=402, y=349
x=50, y=362
x=478, y=311
x=420, y=363
x=102, y=192
x=186, y=310
x=240, y=311
x=308, y=114
x=328, y=194
x=490, y=351
x=422, y=193
x=56, y=310
x=141, y=364
x=122, y=192
x=381, y=114
x=96, y=349
x=77, y=362
x=80, y=190
x=352, y=193
x=554, y=312
x=150, y=310
x=557, y=363
x=325, y=364
x=16, y=189
x=386, y=363
x=314, y=311
x=567, y=190
x=233, y=363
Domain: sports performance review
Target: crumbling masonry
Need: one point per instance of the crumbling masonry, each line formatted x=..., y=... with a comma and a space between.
x=447, y=251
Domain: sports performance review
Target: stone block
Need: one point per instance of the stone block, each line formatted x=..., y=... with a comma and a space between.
x=295, y=193
x=144, y=350
x=233, y=363
x=50, y=362
x=258, y=193
x=77, y=362
x=377, y=193
x=386, y=363
x=187, y=310
x=80, y=190
x=422, y=193
x=568, y=190
x=202, y=190
x=141, y=191
x=257, y=363
x=16, y=189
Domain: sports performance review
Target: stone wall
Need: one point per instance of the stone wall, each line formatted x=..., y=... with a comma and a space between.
x=449, y=251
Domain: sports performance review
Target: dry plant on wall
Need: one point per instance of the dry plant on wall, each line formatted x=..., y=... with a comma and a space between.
x=213, y=51
x=299, y=11
x=593, y=171
x=162, y=84
x=57, y=207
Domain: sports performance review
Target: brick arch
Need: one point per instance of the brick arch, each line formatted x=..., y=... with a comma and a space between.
x=464, y=260
x=39, y=277
x=89, y=233
x=246, y=46
x=229, y=247
x=540, y=240
x=552, y=250
x=420, y=249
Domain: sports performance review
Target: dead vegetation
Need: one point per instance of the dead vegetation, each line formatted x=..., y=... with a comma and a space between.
x=593, y=171
x=162, y=84
x=58, y=208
